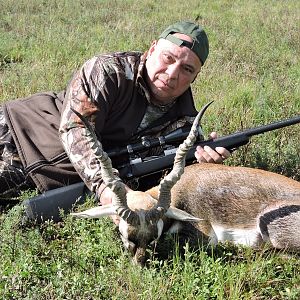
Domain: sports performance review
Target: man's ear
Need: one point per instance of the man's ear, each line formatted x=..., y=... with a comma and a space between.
x=152, y=48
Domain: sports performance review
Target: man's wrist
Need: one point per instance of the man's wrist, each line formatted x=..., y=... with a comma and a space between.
x=101, y=189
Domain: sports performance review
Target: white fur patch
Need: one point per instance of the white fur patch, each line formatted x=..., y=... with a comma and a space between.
x=246, y=237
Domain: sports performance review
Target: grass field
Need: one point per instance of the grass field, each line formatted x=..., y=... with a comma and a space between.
x=252, y=74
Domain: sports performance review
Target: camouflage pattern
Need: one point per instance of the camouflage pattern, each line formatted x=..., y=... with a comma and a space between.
x=13, y=178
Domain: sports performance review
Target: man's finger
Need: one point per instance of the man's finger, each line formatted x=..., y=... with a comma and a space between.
x=208, y=155
x=223, y=152
x=213, y=135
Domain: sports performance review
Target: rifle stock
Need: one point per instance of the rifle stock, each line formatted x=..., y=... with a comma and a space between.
x=47, y=206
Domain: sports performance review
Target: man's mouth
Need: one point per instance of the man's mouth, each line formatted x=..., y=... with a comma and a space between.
x=166, y=84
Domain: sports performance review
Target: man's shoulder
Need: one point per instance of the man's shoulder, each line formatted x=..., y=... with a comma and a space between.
x=116, y=62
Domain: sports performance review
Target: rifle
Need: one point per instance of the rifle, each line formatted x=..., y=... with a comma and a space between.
x=47, y=205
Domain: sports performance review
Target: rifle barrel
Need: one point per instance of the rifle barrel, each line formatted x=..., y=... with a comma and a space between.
x=272, y=126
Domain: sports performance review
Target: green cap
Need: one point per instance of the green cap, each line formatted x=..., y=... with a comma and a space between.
x=200, y=41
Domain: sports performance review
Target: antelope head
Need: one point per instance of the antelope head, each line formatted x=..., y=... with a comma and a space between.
x=141, y=215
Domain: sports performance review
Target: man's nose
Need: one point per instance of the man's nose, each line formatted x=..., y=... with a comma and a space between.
x=173, y=71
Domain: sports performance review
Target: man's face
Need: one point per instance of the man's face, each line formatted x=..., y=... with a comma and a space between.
x=170, y=69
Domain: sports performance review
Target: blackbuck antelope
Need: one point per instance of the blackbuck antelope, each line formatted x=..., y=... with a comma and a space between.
x=242, y=205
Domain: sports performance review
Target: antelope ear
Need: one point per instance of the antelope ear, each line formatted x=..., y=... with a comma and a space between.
x=181, y=215
x=96, y=212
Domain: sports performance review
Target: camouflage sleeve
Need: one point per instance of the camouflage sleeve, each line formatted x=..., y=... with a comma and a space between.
x=82, y=93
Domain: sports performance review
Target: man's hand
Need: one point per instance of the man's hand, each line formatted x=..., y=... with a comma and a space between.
x=106, y=197
x=208, y=155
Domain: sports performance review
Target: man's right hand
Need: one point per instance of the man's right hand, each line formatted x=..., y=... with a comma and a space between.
x=106, y=198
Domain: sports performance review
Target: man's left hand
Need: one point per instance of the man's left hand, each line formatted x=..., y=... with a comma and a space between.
x=208, y=155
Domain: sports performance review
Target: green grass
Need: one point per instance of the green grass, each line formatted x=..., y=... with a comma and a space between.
x=252, y=74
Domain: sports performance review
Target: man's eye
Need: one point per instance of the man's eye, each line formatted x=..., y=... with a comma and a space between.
x=188, y=70
x=167, y=58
